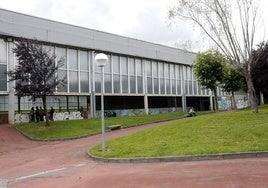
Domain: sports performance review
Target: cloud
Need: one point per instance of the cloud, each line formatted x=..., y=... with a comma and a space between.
x=140, y=19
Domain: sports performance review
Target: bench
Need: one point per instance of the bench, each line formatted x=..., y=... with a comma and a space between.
x=114, y=127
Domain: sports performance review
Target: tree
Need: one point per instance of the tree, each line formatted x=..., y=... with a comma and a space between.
x=35, y=73
x=259, y=70
x=231, y=25
x=232, y=81
x=208, y=68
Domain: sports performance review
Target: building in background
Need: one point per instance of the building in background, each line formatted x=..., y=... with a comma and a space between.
x=140, y=77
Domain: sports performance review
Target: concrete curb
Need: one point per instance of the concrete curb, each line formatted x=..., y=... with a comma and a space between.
x=182, y=158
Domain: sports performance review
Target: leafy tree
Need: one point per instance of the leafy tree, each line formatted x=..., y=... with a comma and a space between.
x=208, y=68
x=259, y=70
x=35, y=73
x=231, y=25
x=232, y=81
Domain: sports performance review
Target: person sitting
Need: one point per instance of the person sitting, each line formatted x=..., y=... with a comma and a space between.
x=191, y=112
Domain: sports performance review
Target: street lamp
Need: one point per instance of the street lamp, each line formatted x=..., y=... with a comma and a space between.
x=101, y=60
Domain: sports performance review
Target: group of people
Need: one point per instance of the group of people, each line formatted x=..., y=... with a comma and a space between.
x=38, y=114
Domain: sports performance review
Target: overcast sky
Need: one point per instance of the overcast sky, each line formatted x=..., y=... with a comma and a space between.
x=140, y=19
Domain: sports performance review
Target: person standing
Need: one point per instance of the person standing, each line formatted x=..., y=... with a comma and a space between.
x=41, y=113
x=51, y=113
x=32, y=114
x=37, y=114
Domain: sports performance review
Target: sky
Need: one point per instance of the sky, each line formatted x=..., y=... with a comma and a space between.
x=139, y=19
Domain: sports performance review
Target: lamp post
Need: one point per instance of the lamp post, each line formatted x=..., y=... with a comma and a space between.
x=101, y=60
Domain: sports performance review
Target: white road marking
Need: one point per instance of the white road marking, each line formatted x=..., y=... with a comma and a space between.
x=39, y=174
x=3, y=183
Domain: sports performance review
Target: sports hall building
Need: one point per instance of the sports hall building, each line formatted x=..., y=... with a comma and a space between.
x=140, y=77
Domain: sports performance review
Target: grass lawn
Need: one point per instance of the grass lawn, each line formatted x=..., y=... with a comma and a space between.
x=77, y=128
x=227, y=132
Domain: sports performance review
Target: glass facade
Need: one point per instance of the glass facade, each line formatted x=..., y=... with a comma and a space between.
x=123, y=75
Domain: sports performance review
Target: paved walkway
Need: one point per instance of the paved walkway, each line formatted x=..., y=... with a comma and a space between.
x=25, y=163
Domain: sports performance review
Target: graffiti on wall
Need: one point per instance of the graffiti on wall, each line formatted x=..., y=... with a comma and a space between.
x=241, y=103
x=224, y=103
x=58, y=116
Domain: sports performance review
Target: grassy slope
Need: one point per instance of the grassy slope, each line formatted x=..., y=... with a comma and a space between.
x=76, y=128
x=227, y=132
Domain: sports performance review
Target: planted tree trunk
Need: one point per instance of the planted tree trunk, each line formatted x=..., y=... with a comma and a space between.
x=234, y=106
x=251, y=92
x=216, y=100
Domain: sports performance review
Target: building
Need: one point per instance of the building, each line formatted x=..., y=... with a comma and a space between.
x=140, y=77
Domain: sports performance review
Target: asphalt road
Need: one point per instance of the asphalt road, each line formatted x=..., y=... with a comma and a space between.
x=31, y=164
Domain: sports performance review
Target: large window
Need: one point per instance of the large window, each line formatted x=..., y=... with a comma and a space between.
x=73, y=60
x=73, y=70
x=108, y=83
x=62, y=72
x=116, y=66
x=155, y=77
x=84, y=82
x=3, y=65
x=3, y=77
x=73, y=81
x=84, y=71
x=116, y=84
x=124, y=65
x=124, y=73
x=61, y=55
x=167, y=77
x=98, y=82
x=148, y=65
x=116, y=74
x=162, y=78
x=139, y=75
x=132, y=77
x=84, y=64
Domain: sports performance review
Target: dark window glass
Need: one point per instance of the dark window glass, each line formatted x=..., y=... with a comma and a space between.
x=149, y=85
x=162, y=86
x=168, y=86
x=148, y=68
x=132, y=84
x=73, y=81
x=173, y=85
x=97, y=83
x=62, y=74
x=3, y=78
x=108, y=83
x=140, y=84
x=125, y=84
x=179, y=87
x=156, y=86
x=84, y=82
x=116, y=84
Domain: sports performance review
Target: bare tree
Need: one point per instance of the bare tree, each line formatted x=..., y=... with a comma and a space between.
x=231, y=25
